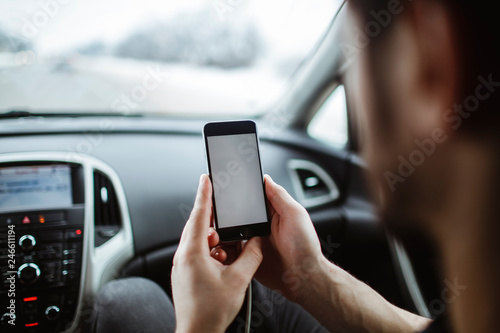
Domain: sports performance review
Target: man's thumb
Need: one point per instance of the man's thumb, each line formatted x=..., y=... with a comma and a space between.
x=279, y=198
x=250, y=258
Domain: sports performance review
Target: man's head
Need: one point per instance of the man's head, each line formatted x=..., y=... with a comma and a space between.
x=428, y=89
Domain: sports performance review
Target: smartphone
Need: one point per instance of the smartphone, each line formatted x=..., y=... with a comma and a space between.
x=239, y=198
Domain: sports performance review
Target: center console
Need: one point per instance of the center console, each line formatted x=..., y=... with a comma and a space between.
x=53, y=206
x=41, y=244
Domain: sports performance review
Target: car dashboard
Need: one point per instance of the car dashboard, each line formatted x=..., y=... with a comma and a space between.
x=126, y=189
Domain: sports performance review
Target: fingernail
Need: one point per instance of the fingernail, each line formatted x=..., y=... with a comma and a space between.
x=216, y=253
x=202, y=178
x=210, y=233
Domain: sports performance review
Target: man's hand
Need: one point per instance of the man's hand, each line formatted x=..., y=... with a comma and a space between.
x=293, y=264
x=207, y=294
x=292, y=252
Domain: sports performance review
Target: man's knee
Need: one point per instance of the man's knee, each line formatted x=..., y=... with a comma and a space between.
x=132, y=303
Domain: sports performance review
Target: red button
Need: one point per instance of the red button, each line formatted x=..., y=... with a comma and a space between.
x=26, y=220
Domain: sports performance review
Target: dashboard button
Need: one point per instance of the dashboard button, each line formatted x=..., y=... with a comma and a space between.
x=30, y=305
x=73, y=234
x=51, y=271
x=50, y=236
x=7, y=220
x=54, y=217
x=31, y=319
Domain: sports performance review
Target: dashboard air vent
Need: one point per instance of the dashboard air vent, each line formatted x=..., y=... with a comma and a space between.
x=313, y=186
x=107, y=216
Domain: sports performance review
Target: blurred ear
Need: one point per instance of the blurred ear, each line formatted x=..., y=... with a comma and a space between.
x=428, y=70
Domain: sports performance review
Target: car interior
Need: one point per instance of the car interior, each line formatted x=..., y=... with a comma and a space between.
x=89, y=194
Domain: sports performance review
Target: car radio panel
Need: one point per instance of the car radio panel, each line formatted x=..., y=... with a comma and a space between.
x=41, y=245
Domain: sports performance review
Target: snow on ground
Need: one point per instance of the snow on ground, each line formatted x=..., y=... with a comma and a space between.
x=110, y=84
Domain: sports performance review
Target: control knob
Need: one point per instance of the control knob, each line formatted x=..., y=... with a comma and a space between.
x=52, y=312
x=6, y=317
x=28, y=273
x=27, y=242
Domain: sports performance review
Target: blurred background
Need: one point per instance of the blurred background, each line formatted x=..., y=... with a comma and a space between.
x=190, y=57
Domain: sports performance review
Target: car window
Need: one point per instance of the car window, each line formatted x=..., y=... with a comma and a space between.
x=187, y=57
x=329, y=124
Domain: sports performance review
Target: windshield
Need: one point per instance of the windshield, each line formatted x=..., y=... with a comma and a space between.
x=186, y=57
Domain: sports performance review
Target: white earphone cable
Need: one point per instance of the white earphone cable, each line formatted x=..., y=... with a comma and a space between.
x=249, y=309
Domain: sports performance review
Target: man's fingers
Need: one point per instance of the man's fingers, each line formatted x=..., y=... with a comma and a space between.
x=249, y=259
x=213, y=238
x=195, y=231
x=279, y=198
x=219, y=254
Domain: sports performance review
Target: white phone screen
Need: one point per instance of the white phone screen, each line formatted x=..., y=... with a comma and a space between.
x=237, y=179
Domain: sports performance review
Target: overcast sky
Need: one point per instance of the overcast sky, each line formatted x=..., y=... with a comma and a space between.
x=287, y=26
